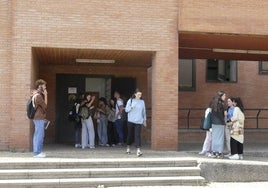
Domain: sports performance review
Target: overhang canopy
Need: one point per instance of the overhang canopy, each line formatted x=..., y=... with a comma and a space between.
x=65, y=56
x=223, y=46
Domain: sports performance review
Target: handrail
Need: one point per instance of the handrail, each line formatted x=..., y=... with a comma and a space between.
x=257, y=117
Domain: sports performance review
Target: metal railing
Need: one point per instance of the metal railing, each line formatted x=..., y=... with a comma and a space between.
x=254, y=115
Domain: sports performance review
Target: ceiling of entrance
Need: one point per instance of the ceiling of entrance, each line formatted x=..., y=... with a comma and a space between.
x=191, y=46
x=64, y=56
x=233, y=47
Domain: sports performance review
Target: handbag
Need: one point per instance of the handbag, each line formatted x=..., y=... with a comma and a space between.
x=206, y=123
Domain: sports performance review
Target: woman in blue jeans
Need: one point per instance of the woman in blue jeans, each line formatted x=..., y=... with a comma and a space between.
x=136, y=118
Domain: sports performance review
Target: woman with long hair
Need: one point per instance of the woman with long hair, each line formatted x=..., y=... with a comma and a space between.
x=237, y=130
x=136, y=118
x=218, y=118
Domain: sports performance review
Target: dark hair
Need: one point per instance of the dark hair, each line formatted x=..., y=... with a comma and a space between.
x=86, y=94
x=103, y=100
x=136, y=91
x=239, y=103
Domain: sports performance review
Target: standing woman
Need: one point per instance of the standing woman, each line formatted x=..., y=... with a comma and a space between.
x=237, y=130
x=218, y=117
x=88, y=133
x=230, y=111
x=102, y=112
x=111, y=129
x=136, y=118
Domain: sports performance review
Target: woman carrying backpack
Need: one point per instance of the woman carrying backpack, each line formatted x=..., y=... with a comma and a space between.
x=88, y=133
x=136, y=118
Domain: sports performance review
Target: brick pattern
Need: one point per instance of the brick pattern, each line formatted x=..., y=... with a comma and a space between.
x=239, y=17
x=150, y=25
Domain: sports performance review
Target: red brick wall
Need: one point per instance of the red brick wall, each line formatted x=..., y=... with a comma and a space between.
x=250, y=87
x=5, y=70
x=150, y=25
x=243, y=16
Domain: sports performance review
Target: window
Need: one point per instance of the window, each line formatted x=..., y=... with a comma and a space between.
x=221, y=70
x=186, y=75
x=263, y=67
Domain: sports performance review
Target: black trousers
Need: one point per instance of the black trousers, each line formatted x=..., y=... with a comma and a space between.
x=136, y=130
x=236, y=147
x=111, y=133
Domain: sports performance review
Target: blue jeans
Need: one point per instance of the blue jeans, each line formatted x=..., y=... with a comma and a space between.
x=120, y=131
x=38, y=138
x=102, y=130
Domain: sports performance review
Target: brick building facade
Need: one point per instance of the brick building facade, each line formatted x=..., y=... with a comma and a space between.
x=42, y=39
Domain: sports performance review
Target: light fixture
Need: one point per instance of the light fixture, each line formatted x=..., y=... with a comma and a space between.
x=229, y=51
x=109, y=61
x=220, y=50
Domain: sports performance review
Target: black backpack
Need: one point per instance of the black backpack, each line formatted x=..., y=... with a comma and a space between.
x=73, y=116
x=30, y=108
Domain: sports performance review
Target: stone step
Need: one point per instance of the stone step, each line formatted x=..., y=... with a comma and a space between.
x=52, y=163
x=98, y=172
x=94, y=182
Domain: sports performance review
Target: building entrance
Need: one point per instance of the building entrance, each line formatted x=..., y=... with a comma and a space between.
x=69, y=87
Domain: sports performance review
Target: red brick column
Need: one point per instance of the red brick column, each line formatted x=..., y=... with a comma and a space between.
x=5, y=59
x=165, y=100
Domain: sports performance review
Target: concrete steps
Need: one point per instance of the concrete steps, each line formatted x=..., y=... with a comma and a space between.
x=73, y=173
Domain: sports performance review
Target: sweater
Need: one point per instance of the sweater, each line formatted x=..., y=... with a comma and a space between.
x=136, y=111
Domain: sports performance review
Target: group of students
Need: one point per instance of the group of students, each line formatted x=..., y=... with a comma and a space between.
x=227, y=121
x=110, y=121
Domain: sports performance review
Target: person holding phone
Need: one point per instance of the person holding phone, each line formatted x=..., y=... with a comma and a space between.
x=136, y=118
x=40, y=103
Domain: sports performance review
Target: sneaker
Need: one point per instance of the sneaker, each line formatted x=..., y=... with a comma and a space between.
x=219, y=155
x=113, y=145
x=107, y=145
x=211, y=155
x=40, y=155
x=128, y=150
x=227, y=155
x=77, y=146
x=139, y=153
x=91, y=147
x=202, y=152
x=234, y=157
x=241, y=157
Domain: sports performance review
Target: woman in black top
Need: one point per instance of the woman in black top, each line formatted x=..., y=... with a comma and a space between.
x=218, y=118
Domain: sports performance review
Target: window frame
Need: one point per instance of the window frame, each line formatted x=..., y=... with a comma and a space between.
x=261, y=70
x=222, y=81
x=193, y=88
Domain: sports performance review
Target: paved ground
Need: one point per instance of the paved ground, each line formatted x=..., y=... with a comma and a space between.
x=254, y=153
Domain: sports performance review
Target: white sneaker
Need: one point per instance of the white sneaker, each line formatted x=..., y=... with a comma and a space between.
x=139, y=153
x=202, y=152
x=234, y=157
x=40, y=155
x=128, y=150
x=241, y=156
x=77, y=146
